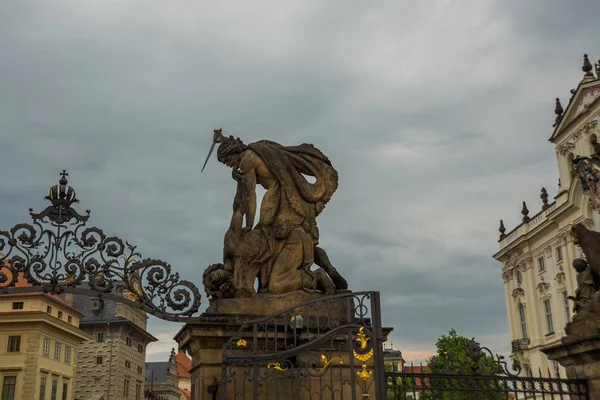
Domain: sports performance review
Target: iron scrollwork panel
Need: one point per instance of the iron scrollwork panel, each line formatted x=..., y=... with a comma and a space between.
x=57, y=252
x=323, y=348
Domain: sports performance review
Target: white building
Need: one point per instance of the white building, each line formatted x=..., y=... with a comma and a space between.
x=537, y=255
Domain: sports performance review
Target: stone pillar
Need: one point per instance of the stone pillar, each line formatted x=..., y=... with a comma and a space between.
x=204, y=341
x=581, y=359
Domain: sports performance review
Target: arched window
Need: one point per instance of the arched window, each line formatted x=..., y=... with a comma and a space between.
x=522, y=319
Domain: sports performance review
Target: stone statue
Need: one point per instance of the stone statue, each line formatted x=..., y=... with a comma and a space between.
x=282, y=247
x=587, y=284
x=586, y=321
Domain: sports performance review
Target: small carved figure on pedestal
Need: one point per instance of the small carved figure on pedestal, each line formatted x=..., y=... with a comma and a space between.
x=587, y=284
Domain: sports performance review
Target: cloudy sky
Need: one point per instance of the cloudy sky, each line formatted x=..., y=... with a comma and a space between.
x=435, y=113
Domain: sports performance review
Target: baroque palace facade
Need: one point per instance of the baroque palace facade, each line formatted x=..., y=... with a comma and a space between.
x=537, y=255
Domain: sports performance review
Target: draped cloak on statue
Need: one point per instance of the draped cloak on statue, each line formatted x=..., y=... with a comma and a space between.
x=298, y=202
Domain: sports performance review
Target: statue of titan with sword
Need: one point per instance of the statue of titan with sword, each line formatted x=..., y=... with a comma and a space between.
x=281, y=248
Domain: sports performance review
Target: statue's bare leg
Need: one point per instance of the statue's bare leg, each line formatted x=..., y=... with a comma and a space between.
x=324, y=282
x=322, y=260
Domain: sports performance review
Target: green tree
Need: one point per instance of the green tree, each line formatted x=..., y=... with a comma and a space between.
x=461, y=370
x=399, y=385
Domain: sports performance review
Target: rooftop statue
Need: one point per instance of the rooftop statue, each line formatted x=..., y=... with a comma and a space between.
x=281, y=248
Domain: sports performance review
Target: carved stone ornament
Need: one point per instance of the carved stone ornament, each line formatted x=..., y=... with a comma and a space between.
x=512, y=257
x=548, y=251
x=564, y=148
x=518, y=294
x=561, y=280
x=590, y=127
x=507, y=276
x=543, y=289
x=589, y=176
x=525, y=264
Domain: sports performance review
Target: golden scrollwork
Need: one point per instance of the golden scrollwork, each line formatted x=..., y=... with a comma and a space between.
x=364, y=373
x=362, y=339
x=276, y=366
x=363, y=357
x=241, y=343
x=327, y=363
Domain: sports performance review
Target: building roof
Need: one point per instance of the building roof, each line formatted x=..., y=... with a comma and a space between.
x=186, y=393
x=157, y=371
x=23, y=283
x=184, y=365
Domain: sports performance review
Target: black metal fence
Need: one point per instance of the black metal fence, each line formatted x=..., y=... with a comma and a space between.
x=423, y=384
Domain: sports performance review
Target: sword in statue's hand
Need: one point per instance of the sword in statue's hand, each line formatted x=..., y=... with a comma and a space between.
x=217, y=138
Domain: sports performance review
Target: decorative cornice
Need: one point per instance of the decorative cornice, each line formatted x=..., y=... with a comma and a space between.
x=543, y=288
x=518, y=292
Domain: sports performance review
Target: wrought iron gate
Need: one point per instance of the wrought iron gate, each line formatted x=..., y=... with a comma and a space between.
x=326, y=348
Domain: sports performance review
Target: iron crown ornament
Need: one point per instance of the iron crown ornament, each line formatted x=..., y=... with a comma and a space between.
x=58, y=253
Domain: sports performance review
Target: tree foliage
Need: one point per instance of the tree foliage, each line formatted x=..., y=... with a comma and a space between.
x=461, y=370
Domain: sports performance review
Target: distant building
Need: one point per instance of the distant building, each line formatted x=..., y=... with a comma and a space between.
x=392, y=359
x=113, y=359
x=39, y=336
x=537, y=254
x=184, y=367
x=162, y=380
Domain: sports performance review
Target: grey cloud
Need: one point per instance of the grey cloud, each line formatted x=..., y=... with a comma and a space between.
x=436, y=116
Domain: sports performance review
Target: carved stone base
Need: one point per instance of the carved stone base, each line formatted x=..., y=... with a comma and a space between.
x=581, y=359
x=585, y=323
x=267, y=304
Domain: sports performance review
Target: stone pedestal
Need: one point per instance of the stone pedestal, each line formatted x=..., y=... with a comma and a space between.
x=205, y=338
x=581, y=359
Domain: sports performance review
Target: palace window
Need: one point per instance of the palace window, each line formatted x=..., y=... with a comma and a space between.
x=98, y=360
x=140, y=347
x=60, y=315
x=523, y=321
x=139, y=369
x=14, y=344
x=67, y=354
x=100, y=337
x=548, y=312
x=559, y=255
x=65, y=391
x=46, y=347
x=42, y=388
x=54, y=390
x=127, y=364
x=126, y=388
x=567, y=306
x=57, y=351
x=541, y=264
x=138, y=390
x=8, y=387
x=49, y=310
x=18, y=305
x=69, y=319
x=128, y=341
